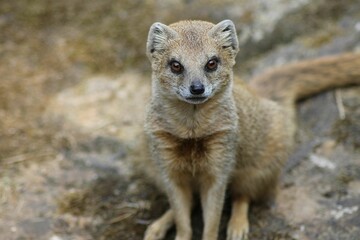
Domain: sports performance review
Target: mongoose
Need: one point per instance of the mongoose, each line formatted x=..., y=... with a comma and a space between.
x=207, y=133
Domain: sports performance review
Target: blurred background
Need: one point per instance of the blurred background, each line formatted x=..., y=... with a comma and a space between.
x=74, y=82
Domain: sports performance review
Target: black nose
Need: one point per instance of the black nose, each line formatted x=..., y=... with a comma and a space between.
x=197, y=88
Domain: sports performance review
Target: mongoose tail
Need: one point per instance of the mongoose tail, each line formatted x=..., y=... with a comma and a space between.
x=300, y=80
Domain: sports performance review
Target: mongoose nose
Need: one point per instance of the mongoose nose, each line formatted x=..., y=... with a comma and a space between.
x=197, y=88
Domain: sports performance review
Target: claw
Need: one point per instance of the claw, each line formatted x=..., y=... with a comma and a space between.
x=157, y=230
x=240, y=233
x=154, y=232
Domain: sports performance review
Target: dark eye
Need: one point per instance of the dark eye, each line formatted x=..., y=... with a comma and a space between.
x=176, y=67
x=211, y=65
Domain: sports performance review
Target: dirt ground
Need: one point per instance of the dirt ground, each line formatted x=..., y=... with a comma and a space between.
x=73, y=89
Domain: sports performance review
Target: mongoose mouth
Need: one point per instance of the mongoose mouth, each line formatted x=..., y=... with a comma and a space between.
x=196, y=100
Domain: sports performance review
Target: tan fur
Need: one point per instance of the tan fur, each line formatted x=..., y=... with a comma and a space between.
x=309, y=77
x=235, y=139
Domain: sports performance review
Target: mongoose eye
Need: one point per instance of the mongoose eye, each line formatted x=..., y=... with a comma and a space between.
x=176, y=67
x=211, y=65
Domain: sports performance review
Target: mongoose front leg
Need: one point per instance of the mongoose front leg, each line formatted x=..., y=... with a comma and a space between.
x=212, y=199
x=157, y=230
x=238, y=226
x=180, y=197
x=180, y=213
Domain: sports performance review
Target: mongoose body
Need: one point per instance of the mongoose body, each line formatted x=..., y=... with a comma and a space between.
x=207, y=133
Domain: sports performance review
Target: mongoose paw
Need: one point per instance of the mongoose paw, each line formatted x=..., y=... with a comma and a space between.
x=156, y=231
x=237, y=232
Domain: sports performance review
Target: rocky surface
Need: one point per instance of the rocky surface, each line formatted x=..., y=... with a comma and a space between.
x=75, y=82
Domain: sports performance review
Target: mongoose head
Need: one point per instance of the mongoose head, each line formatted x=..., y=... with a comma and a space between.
x=192, y=61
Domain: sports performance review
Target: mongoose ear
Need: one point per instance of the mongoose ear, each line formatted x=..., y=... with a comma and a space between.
x=159, y=34
x=225, y=34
